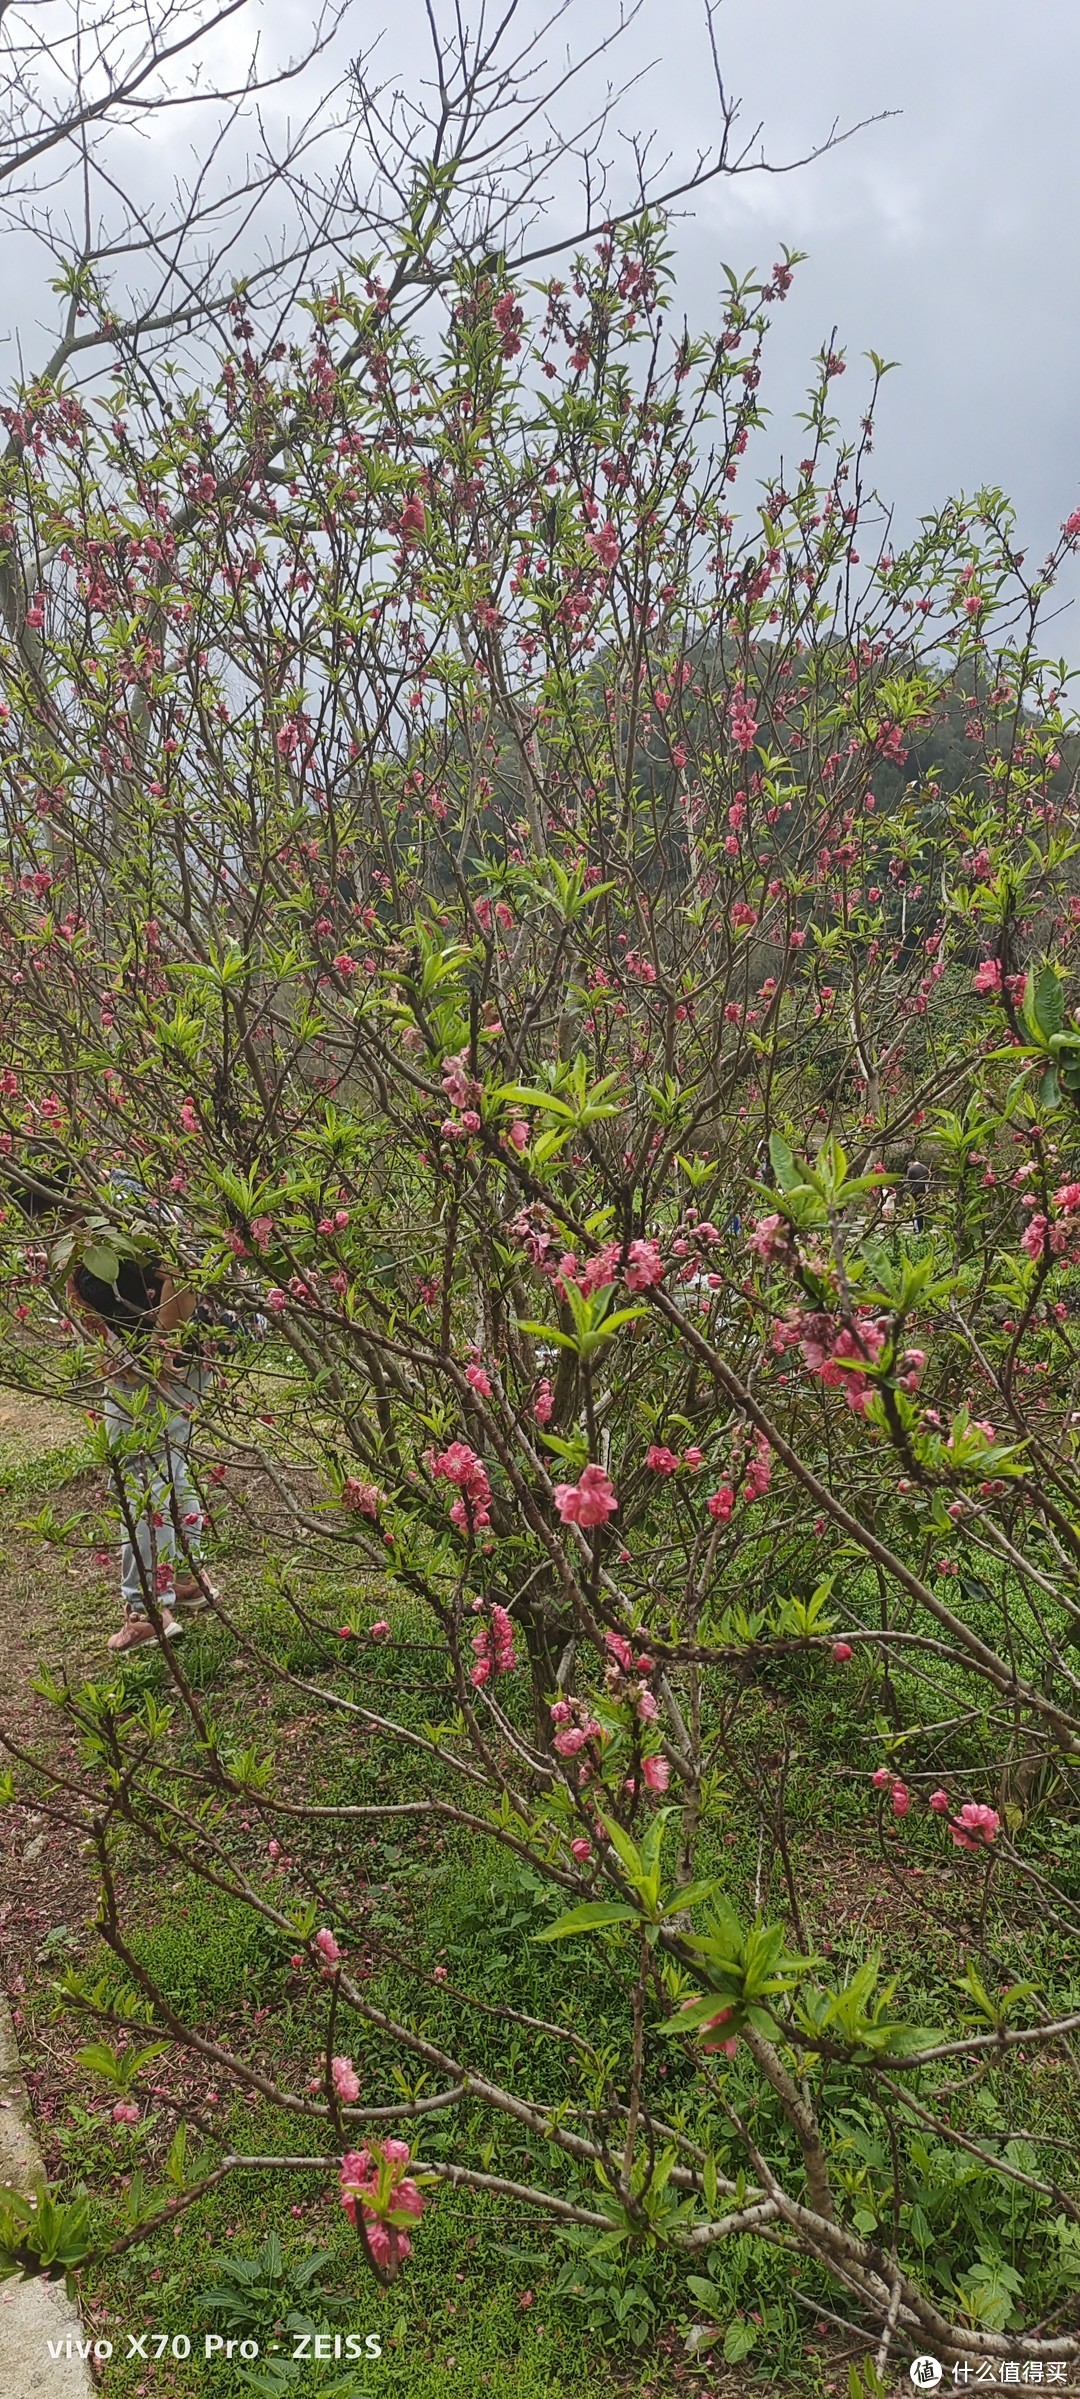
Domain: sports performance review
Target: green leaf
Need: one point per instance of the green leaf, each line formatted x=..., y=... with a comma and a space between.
x=625, y=1849
x=1048, y=1002
x=177, y=2158
x=524, y=1096
x=695, y=2014
x=546, y=1332
x=119, y=2068
x=101, y=1261
x=692, y=1895
x=38, y=2235
x=621, y=1316
x=587, y=1919
x=782, y=1160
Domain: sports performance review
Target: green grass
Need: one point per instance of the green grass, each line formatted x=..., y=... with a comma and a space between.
x=494, y=2297
x=452, y=2324
x=24, y=1477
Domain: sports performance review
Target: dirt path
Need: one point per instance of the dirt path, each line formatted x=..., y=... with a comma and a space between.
x=30, y=1426
x=53, y=1612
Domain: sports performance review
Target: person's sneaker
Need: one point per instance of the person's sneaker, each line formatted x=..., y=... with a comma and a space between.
x=191, y=1593
x=136, y=1631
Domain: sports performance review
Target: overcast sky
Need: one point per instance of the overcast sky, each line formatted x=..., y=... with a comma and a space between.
x=946, y=238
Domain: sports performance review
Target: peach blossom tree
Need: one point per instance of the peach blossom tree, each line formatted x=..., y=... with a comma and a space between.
x=477, y=851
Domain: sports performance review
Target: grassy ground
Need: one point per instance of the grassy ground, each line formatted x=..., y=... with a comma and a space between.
x=493, y=2300
x=475, y=2312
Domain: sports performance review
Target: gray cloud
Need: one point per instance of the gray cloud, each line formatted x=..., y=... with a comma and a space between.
x=947, y=238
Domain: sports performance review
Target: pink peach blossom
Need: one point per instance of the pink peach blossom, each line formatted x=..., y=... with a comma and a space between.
x=770, y=1239
x=591, y=1500
x=975, y=1825
x=460, y=1465
x=711, y=2025
x=644, y=1266
x=605, y=546
x=1033, y=1238
x=661, y=1460
x=385, y=2245
x=365, y=1499
x=369, y=2194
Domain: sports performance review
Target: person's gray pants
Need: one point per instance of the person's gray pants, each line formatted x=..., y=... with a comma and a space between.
x=149, y=1426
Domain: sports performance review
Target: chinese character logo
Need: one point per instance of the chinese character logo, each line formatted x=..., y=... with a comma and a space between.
x=925, y=2373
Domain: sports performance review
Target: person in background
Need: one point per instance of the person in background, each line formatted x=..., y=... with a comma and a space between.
x=917, y=1179
x=155, y=1376
x=146, y=1320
